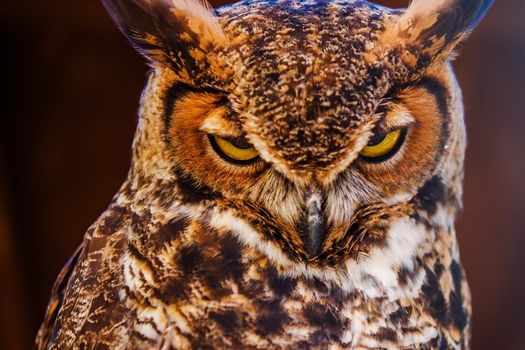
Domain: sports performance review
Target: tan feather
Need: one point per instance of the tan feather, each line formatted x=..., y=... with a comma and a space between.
x=201, y=12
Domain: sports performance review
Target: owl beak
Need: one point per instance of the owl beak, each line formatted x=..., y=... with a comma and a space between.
x=315, y=230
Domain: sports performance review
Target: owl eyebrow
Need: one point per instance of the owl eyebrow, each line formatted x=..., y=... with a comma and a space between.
x=397, y=117
x=392, y=115
x=215, y=123
x=178, y=91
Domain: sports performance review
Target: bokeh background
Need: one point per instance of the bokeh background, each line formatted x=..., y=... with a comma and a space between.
x=70, y=92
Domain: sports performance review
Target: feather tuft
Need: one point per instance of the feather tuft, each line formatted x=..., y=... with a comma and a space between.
x=423, y=7
x=203, y=12
x=165, y=29
x=463, y=15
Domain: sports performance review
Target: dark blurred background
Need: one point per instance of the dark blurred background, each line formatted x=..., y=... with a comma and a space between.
x=71, y=90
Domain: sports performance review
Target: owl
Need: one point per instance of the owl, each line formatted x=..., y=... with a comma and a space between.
x=295, y=176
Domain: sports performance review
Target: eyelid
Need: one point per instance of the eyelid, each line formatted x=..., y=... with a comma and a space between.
x=216, y=124
x=397, y=117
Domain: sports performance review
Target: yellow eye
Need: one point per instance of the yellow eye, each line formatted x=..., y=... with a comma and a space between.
x=236, y=150
x=384, y=146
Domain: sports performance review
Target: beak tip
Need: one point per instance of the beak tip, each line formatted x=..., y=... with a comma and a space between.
x=315, y=236
x=315, y=227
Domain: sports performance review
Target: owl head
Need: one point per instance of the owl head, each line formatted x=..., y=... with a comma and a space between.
x=306, y=127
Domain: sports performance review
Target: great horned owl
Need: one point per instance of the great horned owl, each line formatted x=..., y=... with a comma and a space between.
x=295, y=176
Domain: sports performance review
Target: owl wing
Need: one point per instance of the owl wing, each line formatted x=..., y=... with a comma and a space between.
x=55, y=302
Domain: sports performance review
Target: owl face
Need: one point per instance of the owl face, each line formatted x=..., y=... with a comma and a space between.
x=303, y=119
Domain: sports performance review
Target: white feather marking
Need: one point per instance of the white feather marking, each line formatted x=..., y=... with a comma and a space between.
x=373, y=276
x=128, y=272
x=216, y=124
x=358, y=320
x=398, y=116
x=422, y=336
x=147, y=331
x=246, y=234
x=377, y=273
x=399, y=198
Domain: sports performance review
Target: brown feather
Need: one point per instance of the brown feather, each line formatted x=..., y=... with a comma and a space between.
x=55, y=301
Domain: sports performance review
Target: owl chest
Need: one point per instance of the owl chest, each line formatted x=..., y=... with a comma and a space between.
x=229, y=300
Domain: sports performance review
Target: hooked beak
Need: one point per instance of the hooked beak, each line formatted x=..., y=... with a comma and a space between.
x=315, y=230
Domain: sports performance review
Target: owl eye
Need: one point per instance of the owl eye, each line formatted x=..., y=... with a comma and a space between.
x=383, y=145
x=235, y=150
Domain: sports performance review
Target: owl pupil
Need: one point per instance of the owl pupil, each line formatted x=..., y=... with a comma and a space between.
x=240, y=142
x=377, y=138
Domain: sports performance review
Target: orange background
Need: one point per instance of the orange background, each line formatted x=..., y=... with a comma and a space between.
x=71, y=88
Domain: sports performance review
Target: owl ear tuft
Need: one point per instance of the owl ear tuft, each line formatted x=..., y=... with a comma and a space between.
x=173, y=32
x=438, y=25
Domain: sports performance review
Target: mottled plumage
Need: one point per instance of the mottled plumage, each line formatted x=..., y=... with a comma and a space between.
x=310, y=244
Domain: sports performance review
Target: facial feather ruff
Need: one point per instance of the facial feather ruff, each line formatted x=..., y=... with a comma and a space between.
x=296, y=173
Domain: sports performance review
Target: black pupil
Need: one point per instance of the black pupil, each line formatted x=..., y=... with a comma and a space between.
x=240, y=142
x=377, y=138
